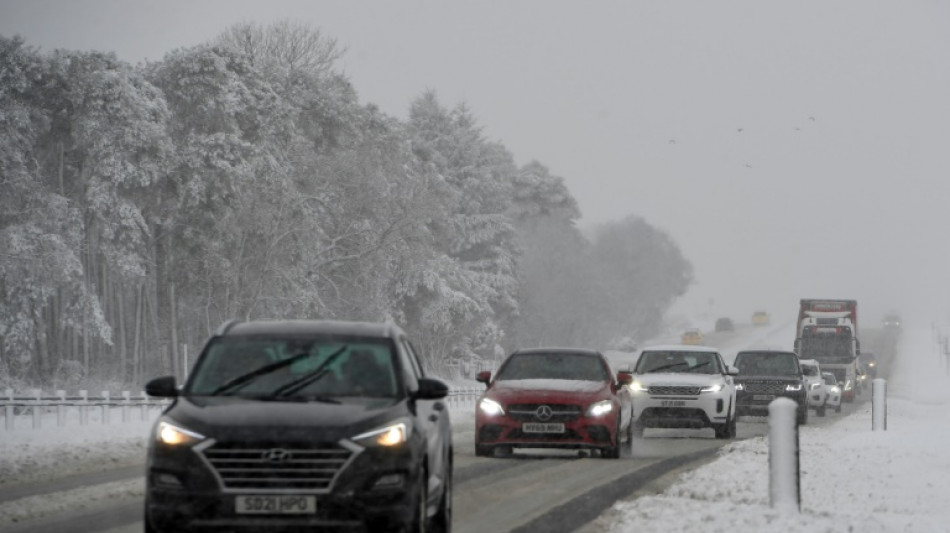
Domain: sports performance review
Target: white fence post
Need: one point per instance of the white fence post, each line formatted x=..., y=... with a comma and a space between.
x=84, y=408
x=10, y=411
x=37, y=409
x=126, y=401
x=879, y=405
x=143, y=407
x=105, y=407
x=61, y=408
x=784, y=475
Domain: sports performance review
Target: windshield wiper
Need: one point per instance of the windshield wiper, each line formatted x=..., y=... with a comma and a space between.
x=665, y=367
x=244, y=379
x=310, y=377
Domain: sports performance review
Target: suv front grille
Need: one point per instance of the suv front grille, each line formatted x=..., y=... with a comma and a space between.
x=764, y=388
x=294, y=467
x=672, y=390
x=528, y=412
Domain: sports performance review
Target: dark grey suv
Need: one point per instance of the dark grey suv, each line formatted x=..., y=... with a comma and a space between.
x=765, y=375
x=302, y=424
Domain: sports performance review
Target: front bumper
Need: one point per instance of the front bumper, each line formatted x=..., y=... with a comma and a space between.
x=183, y=492
x=750, y=404
x=579, y=433
x=681, y=411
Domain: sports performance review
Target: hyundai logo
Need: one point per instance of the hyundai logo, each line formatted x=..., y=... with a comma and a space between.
x=544, y=413
x=276, y=455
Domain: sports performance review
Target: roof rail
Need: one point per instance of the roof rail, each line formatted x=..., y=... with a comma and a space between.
x=224, y=328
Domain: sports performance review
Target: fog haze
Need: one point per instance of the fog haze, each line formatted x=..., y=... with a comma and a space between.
x=792, y=150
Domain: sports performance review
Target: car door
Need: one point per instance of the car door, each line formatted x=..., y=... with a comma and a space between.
x=433, y=415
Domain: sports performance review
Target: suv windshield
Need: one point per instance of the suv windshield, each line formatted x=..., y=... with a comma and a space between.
x=294, y=367
x=574, y=366
x=678, y=362
x=767, y=364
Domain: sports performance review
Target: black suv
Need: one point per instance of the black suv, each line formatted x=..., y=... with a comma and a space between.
x=301, y=424
x=765, y=375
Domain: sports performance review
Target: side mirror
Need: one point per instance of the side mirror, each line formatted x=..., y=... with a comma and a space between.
x=624, y=378
x=483, y=377
x=163, y=387
x=431, y=389
x=732, y=371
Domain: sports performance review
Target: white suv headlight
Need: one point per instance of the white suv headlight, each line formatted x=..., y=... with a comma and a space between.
x=600, y=408
x=712, y=388
x=491, y=407
x=636, y=386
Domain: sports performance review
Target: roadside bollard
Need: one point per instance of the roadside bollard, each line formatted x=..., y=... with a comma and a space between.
x=37, y=409
x=61, y=408
x=784, y=475
x=9, y=412
x=83, y=408
x=879, y=405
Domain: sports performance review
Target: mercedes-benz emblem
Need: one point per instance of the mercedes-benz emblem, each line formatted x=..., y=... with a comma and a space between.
x=276, y=455
x=544, y=413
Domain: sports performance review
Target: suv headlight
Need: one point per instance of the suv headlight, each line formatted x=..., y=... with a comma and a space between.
x=712, y=388
x=491, y=407
x=636, y=386
x=600, y=408
x=391, y=435
x=740, y=386
x=794, y=388
x=173, y=435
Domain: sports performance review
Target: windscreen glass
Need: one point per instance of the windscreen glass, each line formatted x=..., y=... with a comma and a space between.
x=678, y=362
x=281, y=367
x=573, y=366
x=767, y=364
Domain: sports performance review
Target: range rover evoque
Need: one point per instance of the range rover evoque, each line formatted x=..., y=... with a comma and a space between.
x=301, y=424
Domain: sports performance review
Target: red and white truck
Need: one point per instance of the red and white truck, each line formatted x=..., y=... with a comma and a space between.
x=827, y=331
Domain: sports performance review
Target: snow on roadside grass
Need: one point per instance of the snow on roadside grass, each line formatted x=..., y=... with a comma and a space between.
x=852, y=479
x=33, y=507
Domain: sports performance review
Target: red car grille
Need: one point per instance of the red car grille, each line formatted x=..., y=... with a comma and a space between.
x=529, y=412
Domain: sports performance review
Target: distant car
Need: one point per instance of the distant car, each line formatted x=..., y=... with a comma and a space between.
x=891, y=320
x=765, y=375
x=301, y=424
x=814, y=385
x=724, y=324
x=692, y=336
x=833, y=398
x=761, y=318
x=684, y=387
x=868, y=362
x=554, y=398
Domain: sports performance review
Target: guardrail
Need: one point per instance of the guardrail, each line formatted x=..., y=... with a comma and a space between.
x=36, y=406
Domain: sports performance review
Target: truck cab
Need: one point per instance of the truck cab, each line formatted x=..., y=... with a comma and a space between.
x=836, y=349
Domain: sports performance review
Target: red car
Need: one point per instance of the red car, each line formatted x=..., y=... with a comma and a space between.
x=554, y=398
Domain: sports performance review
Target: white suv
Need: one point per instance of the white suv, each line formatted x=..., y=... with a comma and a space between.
x=684, y=387
x=814, y=386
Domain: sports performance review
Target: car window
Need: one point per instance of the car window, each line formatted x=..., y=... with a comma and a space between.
x=554, y=366
x=340, y=367
x=679, y=362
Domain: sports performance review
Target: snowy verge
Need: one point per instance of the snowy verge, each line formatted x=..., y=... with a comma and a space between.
x=34, y=507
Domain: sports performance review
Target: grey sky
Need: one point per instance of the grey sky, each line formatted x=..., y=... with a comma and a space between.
x=836, y=185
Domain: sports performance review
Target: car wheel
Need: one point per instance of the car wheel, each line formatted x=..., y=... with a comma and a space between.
x=442, y=521
x=420, y=519
x=733, y=430
x=802, y=416
x=613, y=452
x=838, y=408
x=483, y=450
x=821, y=410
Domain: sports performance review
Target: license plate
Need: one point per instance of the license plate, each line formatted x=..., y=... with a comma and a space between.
x=673, y=403
x=763, y=397
x=275, y=504
x=539, y=427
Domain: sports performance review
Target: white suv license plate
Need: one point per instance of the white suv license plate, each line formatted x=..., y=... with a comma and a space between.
x=539, y=427
x=275, y=504
x=672, y=403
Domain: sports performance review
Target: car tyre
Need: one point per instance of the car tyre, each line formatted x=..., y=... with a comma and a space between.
x=838, y=408
x=483, y=450
x=802, y=416
x=821, y=410
x=419, y=519
x=442, y=521
x=613, y=452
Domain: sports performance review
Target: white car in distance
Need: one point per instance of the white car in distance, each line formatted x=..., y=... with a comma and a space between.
x=814, y=385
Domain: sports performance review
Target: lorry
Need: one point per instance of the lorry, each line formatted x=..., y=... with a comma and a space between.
x=827, y=331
